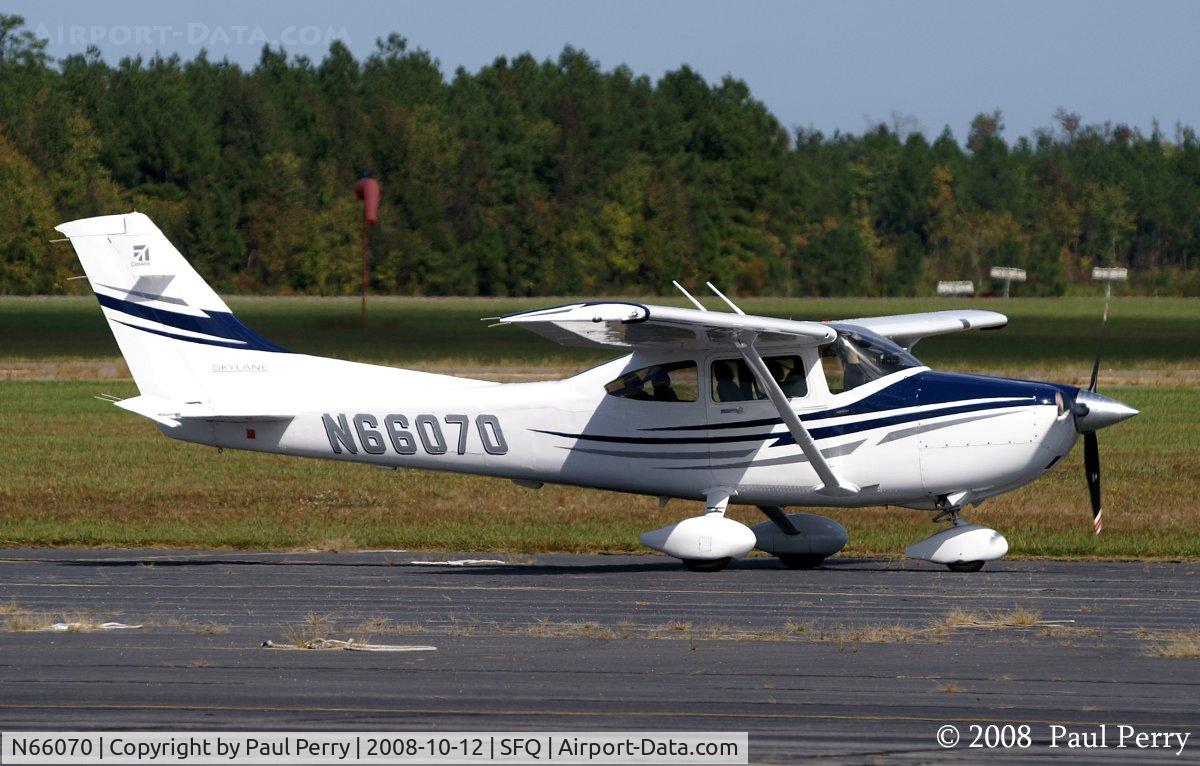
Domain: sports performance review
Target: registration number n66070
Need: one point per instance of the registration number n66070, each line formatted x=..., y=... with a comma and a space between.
x=375, y=435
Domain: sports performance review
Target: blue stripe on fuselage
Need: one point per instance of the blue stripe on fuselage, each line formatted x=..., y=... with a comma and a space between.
x=924, y=388
x=867, y=425
x=785, y=438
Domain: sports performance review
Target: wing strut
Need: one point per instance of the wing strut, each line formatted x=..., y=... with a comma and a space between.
x=728, y=302
x=688, y=295
x=832, y=485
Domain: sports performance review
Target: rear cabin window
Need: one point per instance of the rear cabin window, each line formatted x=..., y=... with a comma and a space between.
x=671, y=382
x=733, y=380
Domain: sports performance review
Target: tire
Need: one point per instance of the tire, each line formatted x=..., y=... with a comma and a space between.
x=801, y=560
x=706, y=565
x=965, y=566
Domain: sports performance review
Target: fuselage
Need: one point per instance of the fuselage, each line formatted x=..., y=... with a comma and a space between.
x=907, y=438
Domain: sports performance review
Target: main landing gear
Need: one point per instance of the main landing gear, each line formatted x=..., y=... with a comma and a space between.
x=799, y=540
x=965, y=566
x=706, y=565
x=704, y=543
x=708, y=543
x=801, y=560
x=963, y=547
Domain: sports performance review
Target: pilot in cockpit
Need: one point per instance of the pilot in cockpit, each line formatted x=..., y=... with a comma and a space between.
x=634, y=387
x=660, y=383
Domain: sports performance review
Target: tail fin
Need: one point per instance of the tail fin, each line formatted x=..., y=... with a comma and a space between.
x=158, y=308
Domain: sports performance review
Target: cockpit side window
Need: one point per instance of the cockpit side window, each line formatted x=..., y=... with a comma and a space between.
x=733, y=381
x=669, y=382
x=789, y=372
x=857, y=357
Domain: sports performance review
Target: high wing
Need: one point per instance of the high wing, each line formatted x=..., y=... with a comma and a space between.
x=908, y=329
x=613, y=324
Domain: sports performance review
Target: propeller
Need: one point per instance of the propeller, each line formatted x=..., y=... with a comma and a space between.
x=1093, y=412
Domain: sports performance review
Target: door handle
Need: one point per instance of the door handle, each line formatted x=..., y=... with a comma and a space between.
x=727, y=410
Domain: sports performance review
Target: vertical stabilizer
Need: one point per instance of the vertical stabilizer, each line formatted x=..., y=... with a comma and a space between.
x=156, y=305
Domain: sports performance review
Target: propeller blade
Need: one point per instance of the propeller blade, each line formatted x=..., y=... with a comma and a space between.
x=1099, y=345
x=1091, y=468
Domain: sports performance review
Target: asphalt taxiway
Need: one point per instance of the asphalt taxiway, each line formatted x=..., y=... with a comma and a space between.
x=846, y=661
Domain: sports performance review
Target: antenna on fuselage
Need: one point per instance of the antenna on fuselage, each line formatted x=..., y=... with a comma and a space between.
x=721, y=295
x=688, y=295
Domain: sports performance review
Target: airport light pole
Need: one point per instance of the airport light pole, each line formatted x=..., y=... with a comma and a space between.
x=367, y=190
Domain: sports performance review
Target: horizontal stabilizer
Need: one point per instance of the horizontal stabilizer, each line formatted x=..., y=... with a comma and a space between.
x=172, y=414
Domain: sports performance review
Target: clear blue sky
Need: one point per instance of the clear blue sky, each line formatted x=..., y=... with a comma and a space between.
x=828, y=65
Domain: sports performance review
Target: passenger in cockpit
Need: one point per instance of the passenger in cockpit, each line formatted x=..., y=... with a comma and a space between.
x=727, y=388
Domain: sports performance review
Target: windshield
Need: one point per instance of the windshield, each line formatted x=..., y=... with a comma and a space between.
x=858, y=356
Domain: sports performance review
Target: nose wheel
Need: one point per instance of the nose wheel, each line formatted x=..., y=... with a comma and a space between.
x=965, y=566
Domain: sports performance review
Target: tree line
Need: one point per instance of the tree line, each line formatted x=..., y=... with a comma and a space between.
x=559, y=177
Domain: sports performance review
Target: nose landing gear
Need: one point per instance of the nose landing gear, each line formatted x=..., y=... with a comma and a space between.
x=963, y=547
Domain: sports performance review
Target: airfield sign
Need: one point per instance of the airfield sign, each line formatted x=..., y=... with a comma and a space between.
x=1108, y=275
x=962, y=287
x=1009, y=274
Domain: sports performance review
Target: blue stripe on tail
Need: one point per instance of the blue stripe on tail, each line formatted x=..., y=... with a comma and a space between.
x=220, y=324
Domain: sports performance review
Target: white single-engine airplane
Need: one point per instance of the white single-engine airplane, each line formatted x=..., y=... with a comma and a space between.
x=713, y=406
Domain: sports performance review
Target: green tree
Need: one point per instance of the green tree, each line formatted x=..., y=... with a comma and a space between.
x=558, y=176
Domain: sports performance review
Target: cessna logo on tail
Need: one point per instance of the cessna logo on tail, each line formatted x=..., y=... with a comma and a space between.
x=141, y=255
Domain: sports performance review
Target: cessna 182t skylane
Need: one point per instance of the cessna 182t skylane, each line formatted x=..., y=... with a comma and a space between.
x=703, y=405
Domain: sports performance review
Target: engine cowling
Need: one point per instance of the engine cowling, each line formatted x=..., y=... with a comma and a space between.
x=702, y=538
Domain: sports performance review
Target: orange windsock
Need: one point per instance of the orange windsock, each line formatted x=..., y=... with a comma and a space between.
x=367, y=190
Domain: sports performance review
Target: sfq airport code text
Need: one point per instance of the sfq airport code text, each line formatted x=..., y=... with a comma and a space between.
x=144, y=747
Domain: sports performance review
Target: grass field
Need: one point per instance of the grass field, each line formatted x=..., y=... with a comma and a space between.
x=80, y=472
